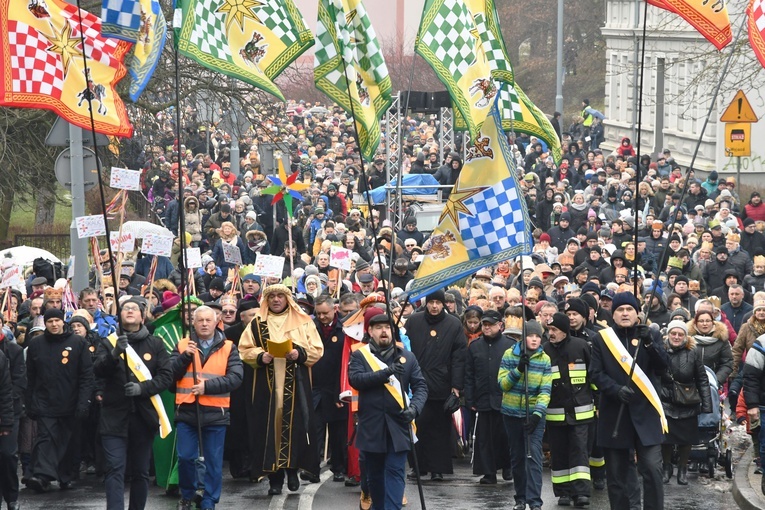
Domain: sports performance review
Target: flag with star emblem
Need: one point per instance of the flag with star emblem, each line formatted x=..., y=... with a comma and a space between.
x=252, y=40
x=755, y=21
x=42, y=53
x=450, y=41
x=518, y=113
x=349, y=67
x=141, y=22
x=485, y=219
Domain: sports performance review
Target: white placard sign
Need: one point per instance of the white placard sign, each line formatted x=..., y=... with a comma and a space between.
x=340, y=257
x=231, y=254
x=154, y=244
x=193, y=258
x=90, y=226
x=11, y=277
x=124, y=243
x=123, y=178
x=269, y=265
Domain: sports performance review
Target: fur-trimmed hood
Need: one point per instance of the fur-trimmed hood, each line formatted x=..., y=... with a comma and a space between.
x=189, y=200
x=255, y=235
x=720, y=333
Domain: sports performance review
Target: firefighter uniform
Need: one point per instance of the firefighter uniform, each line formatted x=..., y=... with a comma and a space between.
x=569, y=415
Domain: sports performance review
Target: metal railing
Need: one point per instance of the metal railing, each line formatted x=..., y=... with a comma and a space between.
x=58, y=244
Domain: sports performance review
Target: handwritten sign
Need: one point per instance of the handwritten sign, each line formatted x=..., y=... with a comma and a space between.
x=340, y=257
x=123, y=178
x=124, y=244
x=90, y=226
x=11, y=277
x=269, y=265
x=231, y=254
x=154, y=244
x=193, y=258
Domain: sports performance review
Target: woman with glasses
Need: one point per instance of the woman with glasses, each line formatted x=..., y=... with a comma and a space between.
x=712, y=339
x=684, y=394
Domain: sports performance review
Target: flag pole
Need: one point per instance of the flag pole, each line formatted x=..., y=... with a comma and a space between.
x=115, y=281
x=674, y=214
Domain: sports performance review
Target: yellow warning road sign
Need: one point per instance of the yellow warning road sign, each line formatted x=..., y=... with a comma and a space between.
x=739, y=110
x=738, y=139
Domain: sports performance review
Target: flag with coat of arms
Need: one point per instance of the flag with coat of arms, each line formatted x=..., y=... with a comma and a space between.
x=485, y=219
x=42, y=54
x=143, y=23
x=518, y=113
x=252, y=40
x=755, y=21
x=349, y=67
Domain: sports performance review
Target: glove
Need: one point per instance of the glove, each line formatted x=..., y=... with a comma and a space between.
x=523, y=363
x=398, y=369
x=132, y=389
x=625, y=394
x=5, y=431
x=81, y=414
x=121, y=346
x=531, y=425
x=643, y=333
x=31, y=415
x=408, y=414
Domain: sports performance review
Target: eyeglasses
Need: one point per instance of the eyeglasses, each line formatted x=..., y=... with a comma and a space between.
x=131, y=308
x=109, y=295
x=229, y=312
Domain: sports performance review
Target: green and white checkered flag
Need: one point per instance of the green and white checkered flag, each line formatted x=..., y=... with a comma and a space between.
x=450, y=41
x=518, y=113
x=252, y=40
x=349, y=67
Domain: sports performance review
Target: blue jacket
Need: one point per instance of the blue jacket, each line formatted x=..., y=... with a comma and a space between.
x=379, y=413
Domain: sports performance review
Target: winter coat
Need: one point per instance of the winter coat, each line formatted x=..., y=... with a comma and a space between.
x=59, y=375
x=512, y=383
x=18, y=372
x=441, y=355
x=741, y=261
x=220, y=260
x=715, y=349
x=686, y=368
x=484, y=356
x=747, y=335
x=754, y=375
x=754, y=283
x=116, y=408
x=193, y=219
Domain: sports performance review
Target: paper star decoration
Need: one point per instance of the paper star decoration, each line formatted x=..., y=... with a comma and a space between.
x=285, y=188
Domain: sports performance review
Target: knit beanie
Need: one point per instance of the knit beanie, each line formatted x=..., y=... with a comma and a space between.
x=561, y=322
x=53, y=313
x=625, y=298
x=534, y=328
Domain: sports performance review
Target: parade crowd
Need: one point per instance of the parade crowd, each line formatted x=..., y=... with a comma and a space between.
x=149, y=382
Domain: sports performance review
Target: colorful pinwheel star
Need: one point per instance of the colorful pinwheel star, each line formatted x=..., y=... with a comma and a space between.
x=285, y=188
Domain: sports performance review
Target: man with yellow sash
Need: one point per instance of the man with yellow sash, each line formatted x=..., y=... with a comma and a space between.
x=131, y=409
x=383, y=373
x=281, y=343
x=202, y=404
x=643, y=424
x=570, y=412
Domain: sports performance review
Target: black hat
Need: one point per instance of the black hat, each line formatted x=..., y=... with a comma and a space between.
x=681, y=278
x=578, y=306
x=590, y=301
x=226, y=208
x=436, y=295
x=40, y=280
x=566, y=216
x=141, y=302
x=721, y=249
x=491, y=316
x=53, y=313
x=380, y=318
x=561, y=322
x=747, y=222
x=217, y=284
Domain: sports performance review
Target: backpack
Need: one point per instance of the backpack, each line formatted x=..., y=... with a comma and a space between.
x=50, y=271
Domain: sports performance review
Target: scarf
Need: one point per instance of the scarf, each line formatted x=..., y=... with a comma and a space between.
x=578, y=207
x=435, y=319
x=757, y=326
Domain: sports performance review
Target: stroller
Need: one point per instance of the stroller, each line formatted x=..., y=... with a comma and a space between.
x=713, y=429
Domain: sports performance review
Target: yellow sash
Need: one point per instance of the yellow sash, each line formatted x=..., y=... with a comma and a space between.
x=393, y=386
x=142, y=374
x=622, y=356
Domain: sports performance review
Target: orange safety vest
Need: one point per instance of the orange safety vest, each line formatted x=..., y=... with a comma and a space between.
x=214, y=367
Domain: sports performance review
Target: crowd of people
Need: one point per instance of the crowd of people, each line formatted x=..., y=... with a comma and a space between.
x=632, y=259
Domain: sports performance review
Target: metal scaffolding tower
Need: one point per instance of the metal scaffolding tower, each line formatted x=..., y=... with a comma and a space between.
x=446, y=118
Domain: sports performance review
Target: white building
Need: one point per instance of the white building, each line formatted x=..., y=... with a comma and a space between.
x=681, y=72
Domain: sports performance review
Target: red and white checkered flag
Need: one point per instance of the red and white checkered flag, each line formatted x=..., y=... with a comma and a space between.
x=755, y=14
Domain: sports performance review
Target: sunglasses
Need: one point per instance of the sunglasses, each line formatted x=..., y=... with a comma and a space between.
x=229, y=312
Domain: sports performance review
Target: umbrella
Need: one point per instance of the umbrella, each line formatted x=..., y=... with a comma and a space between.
x=25, y=255
x=139, y=229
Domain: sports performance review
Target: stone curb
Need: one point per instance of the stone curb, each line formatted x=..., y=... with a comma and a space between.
x=744, y=494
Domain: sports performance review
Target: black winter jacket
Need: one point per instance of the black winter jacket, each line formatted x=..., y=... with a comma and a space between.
x=484, y=356
x=686, y=368
x=59, y=375
x=116, y=407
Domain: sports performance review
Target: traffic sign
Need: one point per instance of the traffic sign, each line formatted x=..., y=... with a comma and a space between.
x=63, y=169
x=58, y=136
x=738, y=139
x=739, y=110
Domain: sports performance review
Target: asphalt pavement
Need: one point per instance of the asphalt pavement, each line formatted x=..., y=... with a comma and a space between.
x=459, y=491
